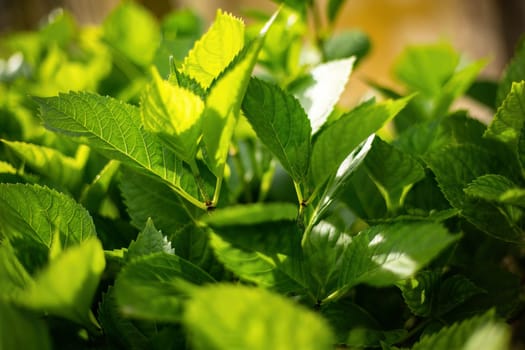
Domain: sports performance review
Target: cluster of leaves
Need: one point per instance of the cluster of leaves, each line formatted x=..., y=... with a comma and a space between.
x=199, y=205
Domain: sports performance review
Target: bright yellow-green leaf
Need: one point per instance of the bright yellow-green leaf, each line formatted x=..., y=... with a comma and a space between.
x=215, y=50
x=67, y=285
x=174, y=114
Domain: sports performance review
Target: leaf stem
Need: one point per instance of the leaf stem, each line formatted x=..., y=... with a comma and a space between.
x=216, y=194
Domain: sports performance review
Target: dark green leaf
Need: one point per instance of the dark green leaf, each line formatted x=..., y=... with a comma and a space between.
x=152, y=287
x=484, y=91
x=335, y=142
x=455, y=168
x=146, y=198
x=236, y=317
x=355, y=327
x=281, y=124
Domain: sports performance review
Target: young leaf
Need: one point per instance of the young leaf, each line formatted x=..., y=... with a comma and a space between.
x=214, y=51
x=480, y=332
x=236, y=317
x=281, y=124
x=37, y=213
x=223, y=106
x=67, y=285
x=383, y=255
x=175, y=115
x=149, y=241
x=509, y=119
x=325, y=84
x=254, y=267
x=152, y=287
x=514, y=72
x=393, y=171
x=115, y=129
x=335, y=142
x=22, y=330
x=50, y=163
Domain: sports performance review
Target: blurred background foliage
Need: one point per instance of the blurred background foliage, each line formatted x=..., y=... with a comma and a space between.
x=477, y=28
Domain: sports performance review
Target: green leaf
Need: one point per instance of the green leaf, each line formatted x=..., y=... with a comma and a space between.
x=237, y=317
x=496, y=188
x=174, y=114
x=383, y=255
x=393, y=171
x=251, y=214
x=455, y=168
x=322, y=90
x=31, y=212
x=22, y=330
x=507, y=123
x=426, y=68
x=480, y=332
x=133, y=32
x=223, y=105
x=281, y=124
x=514, y=72
x=66, y=286
x=149, y=241
x=335, y=142
x=347, y=43
x=114, y=128
x=253, y=266
x=50, y=163
x=152, y=287
x=214, y=51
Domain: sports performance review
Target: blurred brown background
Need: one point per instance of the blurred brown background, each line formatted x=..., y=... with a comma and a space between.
x=478, y=28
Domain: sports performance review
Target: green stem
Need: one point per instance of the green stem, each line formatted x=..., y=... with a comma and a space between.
x=216, y=194
x=188, y=197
